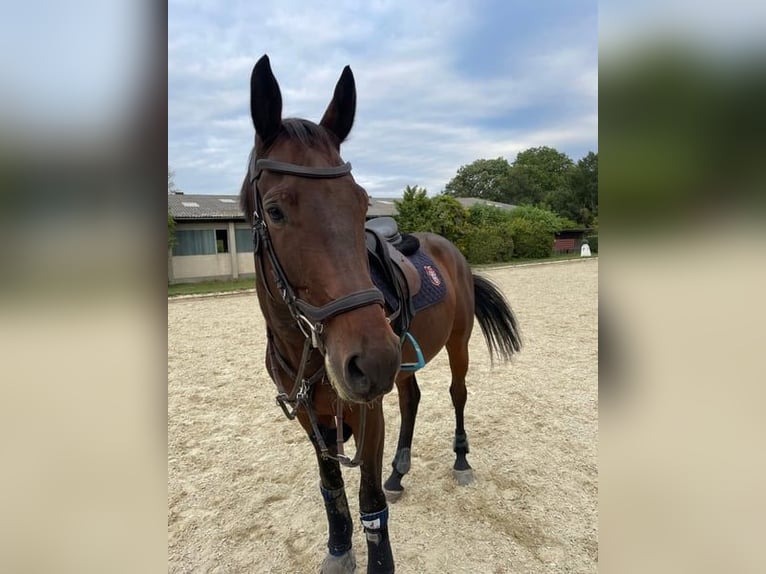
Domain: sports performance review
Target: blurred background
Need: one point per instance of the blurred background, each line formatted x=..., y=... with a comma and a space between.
x=82, y=302
x=682, y=186
x=83, y=286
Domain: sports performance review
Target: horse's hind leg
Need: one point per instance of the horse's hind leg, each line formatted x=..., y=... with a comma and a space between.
x=340, y=557
x=458, y=362
x=409, y=398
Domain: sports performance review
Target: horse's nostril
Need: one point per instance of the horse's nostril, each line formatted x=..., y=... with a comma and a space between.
x=371, y=373
x=355, y=373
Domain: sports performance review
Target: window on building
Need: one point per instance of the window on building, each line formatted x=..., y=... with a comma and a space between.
x=244, y=239
x=222, y=241
x=194, y=242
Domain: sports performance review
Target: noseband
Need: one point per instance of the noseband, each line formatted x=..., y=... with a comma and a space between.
x=309, y=318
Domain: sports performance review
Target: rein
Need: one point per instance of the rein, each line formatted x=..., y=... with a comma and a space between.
x=310, y=319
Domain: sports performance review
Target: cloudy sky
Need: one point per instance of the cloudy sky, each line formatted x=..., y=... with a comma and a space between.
x=439, y=83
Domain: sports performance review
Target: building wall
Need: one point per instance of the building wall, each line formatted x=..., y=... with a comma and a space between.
x=219, y=266
x=568, y=241
x=196, y=267
x=246, y=263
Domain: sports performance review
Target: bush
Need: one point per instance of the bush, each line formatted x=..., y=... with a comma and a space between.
x=484, y=233
x=482, y=214
x=414, y=210
x=531, y=239
x=593, y=242
x=447, y=218
x=171, y=231
x=550, y=220
x=487, y=243
x=442, y=214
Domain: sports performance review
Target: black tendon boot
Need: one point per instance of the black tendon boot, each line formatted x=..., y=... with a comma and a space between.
x=339, y=520
x=381, y=560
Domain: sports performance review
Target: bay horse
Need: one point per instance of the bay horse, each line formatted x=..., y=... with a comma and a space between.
x=332, y=351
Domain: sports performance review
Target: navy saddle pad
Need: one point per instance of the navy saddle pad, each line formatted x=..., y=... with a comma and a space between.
x=432, y=288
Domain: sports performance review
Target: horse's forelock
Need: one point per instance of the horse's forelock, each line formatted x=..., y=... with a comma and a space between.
x=307, y=133
x=302, y=131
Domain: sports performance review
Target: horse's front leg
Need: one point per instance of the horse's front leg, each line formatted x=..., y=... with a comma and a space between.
x=372, y=500
x=340, y=557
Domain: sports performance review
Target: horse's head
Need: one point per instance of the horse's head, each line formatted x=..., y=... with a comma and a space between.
x=311, y=213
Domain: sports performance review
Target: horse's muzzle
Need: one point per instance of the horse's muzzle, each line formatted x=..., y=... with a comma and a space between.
x=363, y=364
x=371, y=375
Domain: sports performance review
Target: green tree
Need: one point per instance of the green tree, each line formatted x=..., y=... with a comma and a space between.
x=447, y=218
x=549, y=220
x=487, y=242
x=484, y=178
x=531, y=238
x=414, y=210
x=171, y=231
x=172, y=188
x=482, y=214
x=539, y=175
x=585, y=191
x=442, y=214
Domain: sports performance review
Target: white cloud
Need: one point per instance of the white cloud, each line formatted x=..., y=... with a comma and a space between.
x=420, y=115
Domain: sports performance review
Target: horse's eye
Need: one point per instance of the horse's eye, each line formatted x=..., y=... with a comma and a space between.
x=275, y=214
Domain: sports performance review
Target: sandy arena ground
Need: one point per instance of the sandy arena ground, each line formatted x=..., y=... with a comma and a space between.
x=243, y=491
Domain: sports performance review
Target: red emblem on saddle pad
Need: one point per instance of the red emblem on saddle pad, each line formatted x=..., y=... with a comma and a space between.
x=432, y=275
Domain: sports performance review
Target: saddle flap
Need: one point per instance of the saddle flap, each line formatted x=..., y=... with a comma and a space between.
x=406, y=268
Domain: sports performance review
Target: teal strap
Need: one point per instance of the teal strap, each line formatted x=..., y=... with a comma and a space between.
x=420, y=363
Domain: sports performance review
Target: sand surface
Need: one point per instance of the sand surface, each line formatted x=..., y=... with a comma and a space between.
x=243, y=490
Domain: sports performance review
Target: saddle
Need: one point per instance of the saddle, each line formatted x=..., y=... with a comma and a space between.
x=383, y=248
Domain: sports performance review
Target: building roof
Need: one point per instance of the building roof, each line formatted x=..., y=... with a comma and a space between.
x=469, y=202
x=184, y=207
x=382, y=206
x=190, y=207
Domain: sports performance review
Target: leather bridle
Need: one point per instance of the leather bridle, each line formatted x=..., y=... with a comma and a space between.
x=309, y=318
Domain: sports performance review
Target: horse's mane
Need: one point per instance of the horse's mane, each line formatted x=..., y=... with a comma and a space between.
x=306, y=133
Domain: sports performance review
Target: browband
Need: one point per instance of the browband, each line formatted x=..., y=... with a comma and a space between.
x=257, y=166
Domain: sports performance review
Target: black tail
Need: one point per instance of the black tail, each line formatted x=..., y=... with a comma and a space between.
x=496, y=319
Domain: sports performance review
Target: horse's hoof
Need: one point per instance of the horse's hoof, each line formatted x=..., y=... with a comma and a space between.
x=343, y=564
x=392, y=495
x=463, y=477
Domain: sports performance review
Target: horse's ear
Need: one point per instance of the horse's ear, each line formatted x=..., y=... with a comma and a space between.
x=265, y=101
x=339, y=116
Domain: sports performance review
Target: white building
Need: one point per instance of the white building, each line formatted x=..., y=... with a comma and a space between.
x=213, y=240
